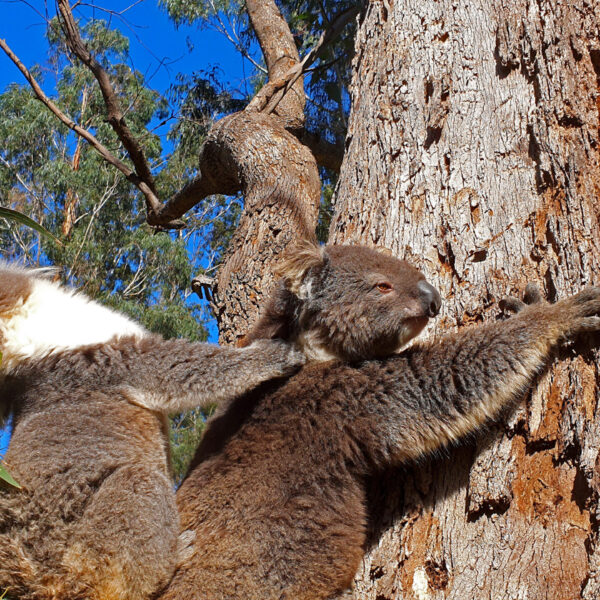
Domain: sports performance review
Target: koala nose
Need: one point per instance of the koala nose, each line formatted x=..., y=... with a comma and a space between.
x=432, y=301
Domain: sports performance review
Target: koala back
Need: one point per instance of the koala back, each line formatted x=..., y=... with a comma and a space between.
x=90, y=465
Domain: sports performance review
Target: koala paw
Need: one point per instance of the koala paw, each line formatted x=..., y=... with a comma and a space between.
x=581, y=311
x=577, y=314
x=531, y=295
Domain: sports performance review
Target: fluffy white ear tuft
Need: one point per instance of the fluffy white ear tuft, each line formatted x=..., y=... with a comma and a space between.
x=39, y=317
x=301, y=257
x=383, y=250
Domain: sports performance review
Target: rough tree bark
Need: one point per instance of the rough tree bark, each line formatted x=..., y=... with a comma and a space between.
x=255, y=154
x=278, y=176
x=473, y=152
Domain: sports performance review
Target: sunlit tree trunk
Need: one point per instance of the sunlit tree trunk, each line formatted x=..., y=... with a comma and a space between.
x=473, y=153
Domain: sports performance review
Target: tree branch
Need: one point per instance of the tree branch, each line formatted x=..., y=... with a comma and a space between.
x=326, y=154
x=281, y=55
x=114, y=113
x=153, y=204
x=285, y=70
x=152, y=200
x=167, y=214
x=271, y=94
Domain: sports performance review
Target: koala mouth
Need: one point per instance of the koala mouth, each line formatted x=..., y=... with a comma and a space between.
x=410, y=329
x=393, y=343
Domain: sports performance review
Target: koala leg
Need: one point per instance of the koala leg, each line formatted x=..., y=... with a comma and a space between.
x=126, y=547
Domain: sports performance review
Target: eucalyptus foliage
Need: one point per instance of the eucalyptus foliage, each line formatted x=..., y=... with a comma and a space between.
x=108, y=251
x=6, y=479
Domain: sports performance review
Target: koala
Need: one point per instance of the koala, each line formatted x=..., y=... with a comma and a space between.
x=277, y=491
x=88, y=391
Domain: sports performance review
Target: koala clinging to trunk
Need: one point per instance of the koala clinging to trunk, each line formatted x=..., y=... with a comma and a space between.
x=277, y=493
x=88, y=391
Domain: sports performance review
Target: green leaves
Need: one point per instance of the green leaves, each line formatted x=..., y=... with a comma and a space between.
x=19, y=217
x=7, y=480
x=53, y=182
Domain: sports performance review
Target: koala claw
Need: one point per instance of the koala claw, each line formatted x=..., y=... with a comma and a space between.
x=589, y=299
x=584, y=308
x=588, y=325
x=531, y=295
x=510, y=304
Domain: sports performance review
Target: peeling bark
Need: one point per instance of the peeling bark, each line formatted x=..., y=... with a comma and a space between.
x=473, y=153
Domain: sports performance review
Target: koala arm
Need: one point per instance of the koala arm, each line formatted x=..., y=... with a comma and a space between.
x=433, y=395
x=175, y=375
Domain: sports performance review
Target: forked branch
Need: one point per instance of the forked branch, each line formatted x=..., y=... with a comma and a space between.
x=285, y=72
x=153, y=202
x=270, y=95
x=115, y=115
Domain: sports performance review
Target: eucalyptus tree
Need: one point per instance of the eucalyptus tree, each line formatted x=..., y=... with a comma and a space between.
x=471, y=150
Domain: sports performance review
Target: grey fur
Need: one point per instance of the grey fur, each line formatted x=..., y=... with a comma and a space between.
x=277, y=497
x=96, y=517
x=334, y=302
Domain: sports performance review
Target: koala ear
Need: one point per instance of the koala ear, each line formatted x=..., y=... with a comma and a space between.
x=301, y=257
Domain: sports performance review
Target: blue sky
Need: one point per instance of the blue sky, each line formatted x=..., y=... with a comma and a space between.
x=158, y=49
x=153, y=37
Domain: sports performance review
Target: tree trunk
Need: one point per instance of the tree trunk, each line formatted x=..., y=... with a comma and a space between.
x=278, y=176
x=473, y=153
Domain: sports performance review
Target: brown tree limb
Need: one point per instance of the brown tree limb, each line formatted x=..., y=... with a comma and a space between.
x=268, y=24
x=271, y=29
x=167, y=213
x=279, y=180
x=326, y=154
x=271, y=94
x=115, y=115
x=281, y=55
x=254, y=154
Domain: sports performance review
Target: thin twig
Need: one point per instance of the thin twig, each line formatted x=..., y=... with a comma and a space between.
x=19, y=178
x=152, y=201
x=233, y=38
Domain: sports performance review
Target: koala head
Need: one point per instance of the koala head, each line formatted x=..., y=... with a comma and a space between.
x=346, y=302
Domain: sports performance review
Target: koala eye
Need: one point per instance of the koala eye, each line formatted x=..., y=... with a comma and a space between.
x=384, y=287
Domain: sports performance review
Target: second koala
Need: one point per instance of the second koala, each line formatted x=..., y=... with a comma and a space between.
x=277, y=496
x=88, y=391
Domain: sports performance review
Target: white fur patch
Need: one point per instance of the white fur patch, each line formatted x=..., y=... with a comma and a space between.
x=420, y=585
x=305, y=289
x=313, y=347
x=54, y=319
